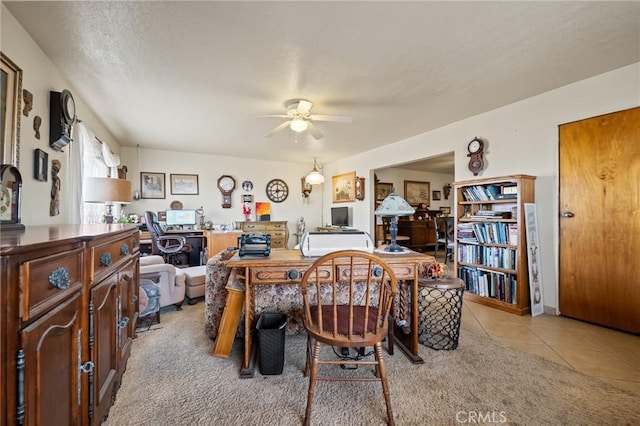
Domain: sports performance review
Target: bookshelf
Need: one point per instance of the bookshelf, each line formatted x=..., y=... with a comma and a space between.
x=491, y=248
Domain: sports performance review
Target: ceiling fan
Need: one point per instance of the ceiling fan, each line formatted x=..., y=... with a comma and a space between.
x=300, y=118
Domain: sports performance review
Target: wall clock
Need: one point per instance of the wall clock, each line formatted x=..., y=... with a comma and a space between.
x=277, y=190
x=226, y=185
x=63, y=113
x=476, y=155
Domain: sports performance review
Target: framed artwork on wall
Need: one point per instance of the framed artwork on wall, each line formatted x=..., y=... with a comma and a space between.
x=40, y=165
x=11, y=99
x=184, y=184
x=344, y=187
x=383, y=189
x=435, y=195
x=417, y=192
x=152, y=185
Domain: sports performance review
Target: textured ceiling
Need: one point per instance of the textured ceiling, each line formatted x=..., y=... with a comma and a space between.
x=190, y=75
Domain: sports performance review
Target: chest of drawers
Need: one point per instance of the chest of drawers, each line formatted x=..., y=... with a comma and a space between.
x=278, y=231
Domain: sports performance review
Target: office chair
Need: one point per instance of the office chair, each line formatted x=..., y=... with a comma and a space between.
x=346, y=298
x=170, y=247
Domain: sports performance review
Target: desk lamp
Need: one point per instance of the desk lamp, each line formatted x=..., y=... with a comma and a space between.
x=394, y=206
x=108, y=191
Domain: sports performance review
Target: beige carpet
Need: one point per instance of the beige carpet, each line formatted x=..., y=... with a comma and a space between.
x=172, y=380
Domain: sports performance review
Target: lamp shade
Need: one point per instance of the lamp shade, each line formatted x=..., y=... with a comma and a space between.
x=394, y=205
x=107, y=190
x=314, y=178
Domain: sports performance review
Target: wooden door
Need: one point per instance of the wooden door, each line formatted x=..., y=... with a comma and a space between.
x=51, y=347
x=600, y=220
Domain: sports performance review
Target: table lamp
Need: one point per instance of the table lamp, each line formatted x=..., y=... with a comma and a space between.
x=109, y=191
x=394, y=206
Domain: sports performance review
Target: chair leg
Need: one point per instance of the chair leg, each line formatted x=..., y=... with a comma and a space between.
x=307, y=363
x=382, y=370
x=312, y=382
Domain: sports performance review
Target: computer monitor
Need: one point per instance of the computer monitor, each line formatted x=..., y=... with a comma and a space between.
x=340, y=216
x=181, y=218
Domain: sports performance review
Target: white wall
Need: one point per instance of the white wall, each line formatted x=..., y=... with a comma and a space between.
x=522, y=139
x=209, y=168
x=40, y=76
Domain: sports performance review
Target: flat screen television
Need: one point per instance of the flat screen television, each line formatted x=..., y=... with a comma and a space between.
x=181, y=218
x=340, y=216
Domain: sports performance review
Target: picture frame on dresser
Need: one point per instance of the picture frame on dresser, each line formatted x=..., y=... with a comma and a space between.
x=417, y=192
x=152, y=185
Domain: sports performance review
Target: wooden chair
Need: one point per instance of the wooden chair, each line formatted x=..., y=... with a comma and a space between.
x=346, y=297
x=444, y=237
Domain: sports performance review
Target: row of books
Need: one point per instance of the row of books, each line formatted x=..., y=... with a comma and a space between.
x=495, y=257
x=497, y=285
x=488, y=233
x=489, y=192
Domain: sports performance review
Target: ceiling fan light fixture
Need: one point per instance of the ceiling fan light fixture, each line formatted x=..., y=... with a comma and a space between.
x=314, y=177
x=298, y=125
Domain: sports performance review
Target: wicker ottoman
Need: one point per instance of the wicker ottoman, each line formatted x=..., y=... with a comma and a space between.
x=440, y=311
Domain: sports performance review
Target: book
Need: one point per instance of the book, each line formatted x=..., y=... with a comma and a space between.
x=513, y=234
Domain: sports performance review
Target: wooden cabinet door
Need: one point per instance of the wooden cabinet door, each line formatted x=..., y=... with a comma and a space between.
x=128, y=315
x=52, y=347
x=104, y=351
x=600, y=220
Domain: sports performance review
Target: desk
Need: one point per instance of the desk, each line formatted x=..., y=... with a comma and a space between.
x=286, y=267
x=216, y=241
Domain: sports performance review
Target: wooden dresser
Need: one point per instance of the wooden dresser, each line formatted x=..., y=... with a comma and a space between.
x=68, y=308
x=278, y=231
x=421, y=233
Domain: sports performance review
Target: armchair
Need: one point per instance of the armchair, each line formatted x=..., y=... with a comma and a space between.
x=170, y=247
x=169, y=278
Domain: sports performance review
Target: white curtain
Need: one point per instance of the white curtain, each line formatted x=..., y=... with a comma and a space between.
x=75, y=202
x=97, y=160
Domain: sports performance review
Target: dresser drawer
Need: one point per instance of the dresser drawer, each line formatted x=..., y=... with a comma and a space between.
x=283, y=274
x=403, y=272
x=107, y=256
x=255, y=227
x=46, y=281
x=278, y=242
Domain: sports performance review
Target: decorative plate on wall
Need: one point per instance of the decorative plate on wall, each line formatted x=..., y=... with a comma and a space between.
x=176, y=205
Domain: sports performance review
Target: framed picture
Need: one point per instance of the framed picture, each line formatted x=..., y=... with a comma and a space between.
x=383, y=189
x=184, y=184
x=435, y=195
x=263, y=211
x=445, y=210
x=344, y=187
x=11, y=96
x=40, y=165
x=152, y=185
x=416, y=192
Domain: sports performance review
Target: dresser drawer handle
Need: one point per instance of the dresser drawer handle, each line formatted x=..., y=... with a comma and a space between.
x=377, y=271
x=124, y=249
x=292, y=274
x=105, y=259
x=59, y=278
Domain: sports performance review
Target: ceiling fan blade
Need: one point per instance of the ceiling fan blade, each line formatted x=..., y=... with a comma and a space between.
x=315, y=132
x=304, y=106
x=270, y=116
x=278, y=128
x=338, y=118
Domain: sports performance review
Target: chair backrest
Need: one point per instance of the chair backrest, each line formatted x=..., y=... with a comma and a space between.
x=347, y=296
x=155, y=231
x=444, y=227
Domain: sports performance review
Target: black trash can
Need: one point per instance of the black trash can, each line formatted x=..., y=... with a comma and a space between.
x=271, y=332
x=440, y=311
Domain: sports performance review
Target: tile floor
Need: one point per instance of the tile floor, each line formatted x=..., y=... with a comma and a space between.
x=597, y=351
